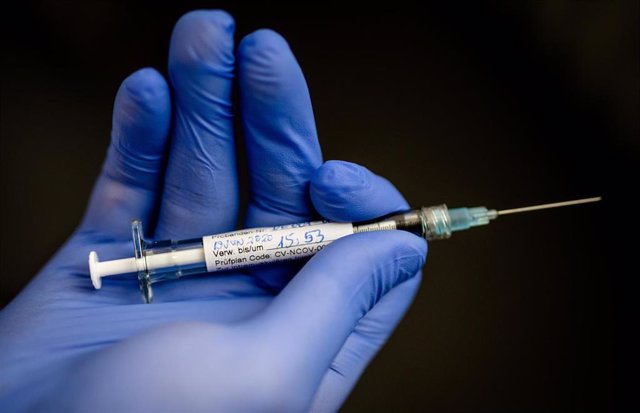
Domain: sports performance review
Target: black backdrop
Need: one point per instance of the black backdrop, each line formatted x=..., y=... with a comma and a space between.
x=500, y=104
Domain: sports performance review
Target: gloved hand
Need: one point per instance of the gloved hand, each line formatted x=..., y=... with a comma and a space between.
x=259, y=340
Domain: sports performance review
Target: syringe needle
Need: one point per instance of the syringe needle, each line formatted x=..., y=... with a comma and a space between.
x=547, y=206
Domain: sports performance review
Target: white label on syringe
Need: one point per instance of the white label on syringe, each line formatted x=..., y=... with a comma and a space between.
x=270, y=244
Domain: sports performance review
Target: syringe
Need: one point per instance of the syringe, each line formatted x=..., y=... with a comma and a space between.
x=169, y=260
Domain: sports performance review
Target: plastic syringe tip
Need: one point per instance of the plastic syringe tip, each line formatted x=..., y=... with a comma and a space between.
x=465, y=218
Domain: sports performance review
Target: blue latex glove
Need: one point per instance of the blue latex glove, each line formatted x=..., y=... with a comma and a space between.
x=251, y=341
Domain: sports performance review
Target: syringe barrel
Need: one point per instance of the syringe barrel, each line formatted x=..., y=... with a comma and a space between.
x=165, y=260
x=170, y=260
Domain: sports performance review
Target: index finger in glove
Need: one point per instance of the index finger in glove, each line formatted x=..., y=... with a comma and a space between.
x=201, y=189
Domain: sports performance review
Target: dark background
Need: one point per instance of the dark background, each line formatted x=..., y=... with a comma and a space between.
x=500, y=104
